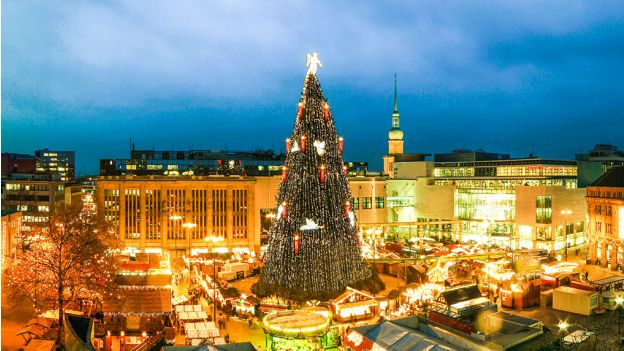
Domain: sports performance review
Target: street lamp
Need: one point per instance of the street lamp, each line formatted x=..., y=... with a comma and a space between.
x=188, y=226
x=175, y=217
x=214, y=239
x=566, y=213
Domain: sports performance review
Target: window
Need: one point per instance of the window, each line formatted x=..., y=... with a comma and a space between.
x=355, y=203
x=598, y=227
x=379, y=202
x=608, y=228
x=367, y=203
x=239, y=216
x=543, y=209
x=608, y=209
x=598, y=209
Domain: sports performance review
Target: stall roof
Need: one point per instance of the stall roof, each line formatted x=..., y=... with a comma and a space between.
x=393, y=337
x=465, y=293
x=149, y=279
x=34, y=330
x=139, y=301
x=607, y=280
x=41, y=345
x=575, y=291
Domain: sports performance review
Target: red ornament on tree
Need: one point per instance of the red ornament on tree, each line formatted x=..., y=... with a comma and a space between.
x=344, y=169
x=297, y=238
x=287, y=145
x=340, y=144
x=322, y=173
x=347, y=208
x=284, y=172
x=299, y=109
x=284, y=209
x=326, y=111
x=303, y=143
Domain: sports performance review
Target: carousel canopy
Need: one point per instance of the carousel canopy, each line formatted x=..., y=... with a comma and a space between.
x=241, y=346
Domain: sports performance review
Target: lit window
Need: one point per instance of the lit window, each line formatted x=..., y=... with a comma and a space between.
x=367, y=203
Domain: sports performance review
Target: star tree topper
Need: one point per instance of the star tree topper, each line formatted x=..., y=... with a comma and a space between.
x=313, y=62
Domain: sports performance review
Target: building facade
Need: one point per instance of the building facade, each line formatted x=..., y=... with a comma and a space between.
x=195, y=162
x=62, y=163
x=176, y=215
x=17, y=163
x=510, y=202
x=605, y=210
x=597, y=162
x=11, y=236
x=34, y=194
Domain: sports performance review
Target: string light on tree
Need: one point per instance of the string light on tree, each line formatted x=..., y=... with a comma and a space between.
x=318, y=259
x=287, y=145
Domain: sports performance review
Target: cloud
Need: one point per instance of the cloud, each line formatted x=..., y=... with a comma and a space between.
x=473, y=63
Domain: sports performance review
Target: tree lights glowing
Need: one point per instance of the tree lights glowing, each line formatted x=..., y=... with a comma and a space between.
x=313, y=248
x=72, y=259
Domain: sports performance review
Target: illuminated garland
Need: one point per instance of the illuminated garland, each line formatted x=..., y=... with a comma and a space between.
x=139, y=314
x=145, y=287
x=318, y=263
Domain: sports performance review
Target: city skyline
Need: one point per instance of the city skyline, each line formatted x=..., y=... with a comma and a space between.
x=83, y=75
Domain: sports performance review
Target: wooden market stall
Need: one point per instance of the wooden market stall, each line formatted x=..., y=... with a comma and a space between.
x=574, y=300
x=520, y=295
x=354, y=305
x=139, y=310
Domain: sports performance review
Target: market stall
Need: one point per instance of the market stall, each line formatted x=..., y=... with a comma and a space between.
x=196, y=333
x=354, y=305
x=178, y=300
x=574, y=300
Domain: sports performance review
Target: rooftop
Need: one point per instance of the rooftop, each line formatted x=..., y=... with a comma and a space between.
x=614, y=178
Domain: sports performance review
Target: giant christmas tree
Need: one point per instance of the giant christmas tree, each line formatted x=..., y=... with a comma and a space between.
x=313, y=250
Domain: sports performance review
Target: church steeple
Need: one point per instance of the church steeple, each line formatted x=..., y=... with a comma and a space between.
x=395, y=134
x=396, y=104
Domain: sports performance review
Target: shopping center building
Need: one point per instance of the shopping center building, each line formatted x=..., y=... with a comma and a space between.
x=522, y=203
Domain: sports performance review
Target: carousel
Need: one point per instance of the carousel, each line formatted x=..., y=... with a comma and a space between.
x=297, y=329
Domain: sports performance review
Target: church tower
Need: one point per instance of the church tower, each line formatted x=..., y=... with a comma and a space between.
x=395, y=138
x=395, y=135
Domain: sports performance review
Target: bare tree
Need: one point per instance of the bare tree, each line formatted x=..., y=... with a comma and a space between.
x=72, y=256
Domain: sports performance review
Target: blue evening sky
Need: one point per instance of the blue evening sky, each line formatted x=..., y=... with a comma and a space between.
x=506, y=76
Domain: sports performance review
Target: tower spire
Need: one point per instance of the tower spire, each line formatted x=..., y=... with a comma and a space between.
x=396, y=104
